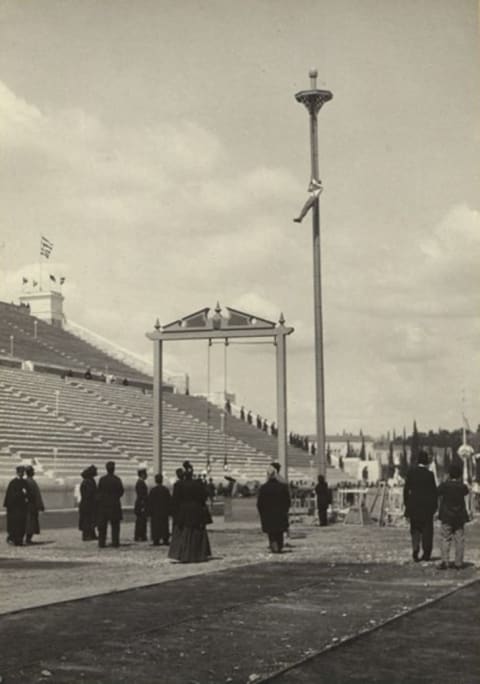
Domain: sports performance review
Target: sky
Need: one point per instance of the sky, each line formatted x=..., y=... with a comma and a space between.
x=159, y=146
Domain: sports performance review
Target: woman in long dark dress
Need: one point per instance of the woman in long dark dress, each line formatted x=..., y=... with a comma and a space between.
x=175, y=507
x=88, y=504
x=192, y=545
x=35, y=505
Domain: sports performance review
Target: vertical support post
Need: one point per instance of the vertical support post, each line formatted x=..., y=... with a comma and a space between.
x=157, y=405
x=11, y=345
x=313, y=100
x=281, y=359
x=317, y=299
x=35, y=331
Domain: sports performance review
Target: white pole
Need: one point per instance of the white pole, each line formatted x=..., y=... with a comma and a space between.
x=35, y=323
x=57, y=402
x=11, y=345
x=55, y=454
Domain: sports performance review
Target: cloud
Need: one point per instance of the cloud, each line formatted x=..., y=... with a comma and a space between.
x=156, y=220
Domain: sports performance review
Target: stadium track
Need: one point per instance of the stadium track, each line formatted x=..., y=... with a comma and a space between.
x=272, y=617
x=326, y=664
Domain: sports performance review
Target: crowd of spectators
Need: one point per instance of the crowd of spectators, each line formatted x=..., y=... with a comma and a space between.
x=270, y=427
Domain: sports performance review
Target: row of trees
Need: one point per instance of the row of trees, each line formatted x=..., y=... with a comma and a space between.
x=442, y=446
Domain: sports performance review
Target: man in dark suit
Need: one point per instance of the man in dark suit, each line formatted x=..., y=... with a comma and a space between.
x=273, y=504
x=140, y=508
x=324, y=499
x=110, y=491
x=159, y=508
x=420, y=499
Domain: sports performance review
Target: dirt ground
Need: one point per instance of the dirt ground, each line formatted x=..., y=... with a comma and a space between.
x=242, y=617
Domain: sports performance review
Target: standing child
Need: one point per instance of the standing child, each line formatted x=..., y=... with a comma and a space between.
x=453, y=515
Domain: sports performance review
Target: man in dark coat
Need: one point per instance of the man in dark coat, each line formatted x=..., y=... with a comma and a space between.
x=88, y=504
x=110, y=491
x=16, y=503
x=140, y=508
x=420, y=499
x=273, y=504
x=35, y=505
x=159, y=508
x=324, y=499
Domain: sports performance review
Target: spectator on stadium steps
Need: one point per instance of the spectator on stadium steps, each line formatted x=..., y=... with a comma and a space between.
x=175, y=504
x=324, y=499
x=249, y=418
x=87, y=508
x=110, y=491
x=242, y=413
x=16, y=503
x=259, y=421
x=273, y=504
x=140, y=508
x=265, y=425
x=192, y=518
x=159, y=509
x=125, y=382
x=420, y=499
x=88, y=374
x=228, y=406
x=35, y=505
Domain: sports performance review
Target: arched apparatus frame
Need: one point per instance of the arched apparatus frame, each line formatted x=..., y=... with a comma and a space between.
x=237, y=324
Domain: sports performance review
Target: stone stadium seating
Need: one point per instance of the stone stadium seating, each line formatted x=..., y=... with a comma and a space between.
x=97, y=422
x=56, y=346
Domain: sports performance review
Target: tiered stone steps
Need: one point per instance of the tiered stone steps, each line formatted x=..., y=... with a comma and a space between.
x=298, y=459
x=98, y=422
x=55, y=346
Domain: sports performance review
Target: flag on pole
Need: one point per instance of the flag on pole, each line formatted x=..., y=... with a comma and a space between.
x=52, y=278
x=24, y=280
x=45, y=247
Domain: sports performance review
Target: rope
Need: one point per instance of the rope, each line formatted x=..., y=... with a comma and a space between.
x=225, y=413
x=208, y=406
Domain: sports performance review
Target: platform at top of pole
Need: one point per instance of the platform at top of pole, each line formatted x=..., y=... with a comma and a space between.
x=314, y=98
